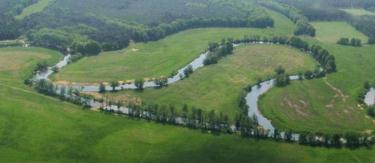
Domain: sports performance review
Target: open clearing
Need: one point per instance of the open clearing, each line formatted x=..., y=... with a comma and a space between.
x=358, y=11
x=35, y=8
x=331, y=32
x=66, y=133
x=16, y=64
x=217, y=87
x=160, y=58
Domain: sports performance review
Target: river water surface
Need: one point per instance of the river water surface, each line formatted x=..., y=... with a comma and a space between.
x=370, y=97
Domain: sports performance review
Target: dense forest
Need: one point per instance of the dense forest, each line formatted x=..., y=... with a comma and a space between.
x=9, y=28
x=88, y=29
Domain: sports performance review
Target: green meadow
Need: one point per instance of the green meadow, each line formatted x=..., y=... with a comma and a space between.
x=37, y=128
x=331, y=32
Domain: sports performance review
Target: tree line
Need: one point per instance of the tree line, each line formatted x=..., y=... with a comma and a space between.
x=192, y=117
x=282, y=79
x=217, y=51
x=350, y=42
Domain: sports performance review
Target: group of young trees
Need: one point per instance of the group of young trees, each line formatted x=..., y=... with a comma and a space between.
x=102, y=88
x=217, y=51
x=41, y=67
x=188, y=71
x=326, y=60
x=139, y=83
x=282, y=79
x=350, y=42
x=303, y=25
x=161, y=82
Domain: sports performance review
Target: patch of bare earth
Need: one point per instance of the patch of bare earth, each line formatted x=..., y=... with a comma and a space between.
x=135, y=50
x=300, y=106
x=338, y=92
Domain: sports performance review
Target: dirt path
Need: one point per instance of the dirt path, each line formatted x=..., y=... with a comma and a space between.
x=339, y=93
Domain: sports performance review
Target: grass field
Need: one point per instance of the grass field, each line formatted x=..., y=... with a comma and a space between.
x=329, y=105
x=217, y=87
x=35, y=8
x=331, y=32
x=37, y=128
x=358, y=11
x=154, y=59
x=16, y=64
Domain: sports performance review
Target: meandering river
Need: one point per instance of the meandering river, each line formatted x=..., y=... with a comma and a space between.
x=251, y=98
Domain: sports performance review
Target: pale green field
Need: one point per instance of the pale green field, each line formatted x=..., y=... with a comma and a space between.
x=331, y=32
x=217, y=87
x=160, y=58
x=358, y=11
x=35, y=8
